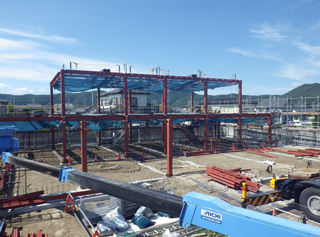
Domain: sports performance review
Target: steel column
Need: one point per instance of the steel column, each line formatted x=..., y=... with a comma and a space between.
x=191, y=102
x=130, y=123
x=164, y=111
x=240, y=113
x=205, y=134
x=169, y=147
x=63, y=114
x=98, y=112
x=205, y=104
x=270, y=129
x=218, y=129
x=52, y=113
x=64, y=140
x=125, y=123
x=84, y=166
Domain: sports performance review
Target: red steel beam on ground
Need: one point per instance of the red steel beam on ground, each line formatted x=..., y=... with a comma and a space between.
x=169, y=147
x=83, y=131
x=98, y=112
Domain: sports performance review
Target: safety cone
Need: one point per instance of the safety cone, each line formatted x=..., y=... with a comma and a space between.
x=180, y=154
x=246, y=146
x=119, y=156
x=198, y=148
x=215, y=148
x=8, y=167
x=95, y=158
x=274, y=212
x=276, y=144
x=39, y=160
x=69, y=160
x=233, y=147
x=262, y=144
x=143, y=156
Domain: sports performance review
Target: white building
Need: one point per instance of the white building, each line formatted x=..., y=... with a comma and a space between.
x=112, y=101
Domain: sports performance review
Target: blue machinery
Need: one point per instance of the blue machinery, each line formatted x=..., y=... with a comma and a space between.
x=195, y=209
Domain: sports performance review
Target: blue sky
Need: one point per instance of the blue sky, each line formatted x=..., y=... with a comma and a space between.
x=273, y=46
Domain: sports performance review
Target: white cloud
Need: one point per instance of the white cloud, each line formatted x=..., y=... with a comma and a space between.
x=54, y=38
x=298, y=72
x=267, y=32
x=22, y=90
x=251, y=54
x=313, y=50
x=296, y=84
x=7, y=44
x=299, y=3
x=2, y=85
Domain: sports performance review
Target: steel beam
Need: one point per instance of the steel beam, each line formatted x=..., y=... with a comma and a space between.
x=156, y=200
x=64, y=140
x=84, y=165
x=129, y=112
x=270, y=130
x=98, y=112
x=191, y=102
x=169, y=147
x=240, y=113
x=148, y=76
x=125, y=125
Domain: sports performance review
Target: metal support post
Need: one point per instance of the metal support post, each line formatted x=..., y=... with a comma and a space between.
x=130, y=123
x=205, y=104
x=191, y=102
x=169, y=147
x=219, y=127
x=64, y=140
x=240, y=113
x=205, y=134
x=270, y=130
x=63, y=108
x=98, y=112
x=84, y=167
x=52, y=113
x=125, y=124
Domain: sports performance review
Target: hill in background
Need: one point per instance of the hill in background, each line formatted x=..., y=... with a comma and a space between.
x=176, y=99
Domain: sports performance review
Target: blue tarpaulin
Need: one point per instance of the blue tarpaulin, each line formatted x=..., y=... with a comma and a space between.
x=84, y=82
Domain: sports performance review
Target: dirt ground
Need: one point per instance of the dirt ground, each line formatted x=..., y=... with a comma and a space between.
x=189, y=175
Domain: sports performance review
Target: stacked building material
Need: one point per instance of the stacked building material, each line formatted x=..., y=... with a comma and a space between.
x=231, y=178
x=260, y=152
x=297, y=153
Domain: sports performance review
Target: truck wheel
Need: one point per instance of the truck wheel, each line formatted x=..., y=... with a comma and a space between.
x=310, y=203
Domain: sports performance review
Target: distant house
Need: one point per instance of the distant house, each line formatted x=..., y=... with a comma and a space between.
x=112, y=101
x=3, y=108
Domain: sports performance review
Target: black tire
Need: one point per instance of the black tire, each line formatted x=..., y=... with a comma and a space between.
x=310, y=203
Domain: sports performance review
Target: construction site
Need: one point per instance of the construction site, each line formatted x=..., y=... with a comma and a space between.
x=126, y=169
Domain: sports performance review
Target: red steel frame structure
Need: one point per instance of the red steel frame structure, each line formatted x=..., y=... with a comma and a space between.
x=167, y=130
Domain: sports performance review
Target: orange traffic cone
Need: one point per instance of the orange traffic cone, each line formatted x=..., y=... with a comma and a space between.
x=233, y=147
x=69, y=160
x=215, y=148
x=95, y=158
x=180, y=151
x=119, y=156
x=262, y=144
x=276, y=144
x=274, y=212
x=198, y=148
x=143, y=156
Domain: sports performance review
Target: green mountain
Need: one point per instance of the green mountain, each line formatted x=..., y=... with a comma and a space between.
x=309, y=90
x=176, y=99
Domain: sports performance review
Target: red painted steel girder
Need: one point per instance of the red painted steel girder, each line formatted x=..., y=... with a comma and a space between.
x=195, y=153
x=261, y=153
x=146, y=76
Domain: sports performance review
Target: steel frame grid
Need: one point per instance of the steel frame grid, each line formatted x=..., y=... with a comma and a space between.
x=127, y=116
